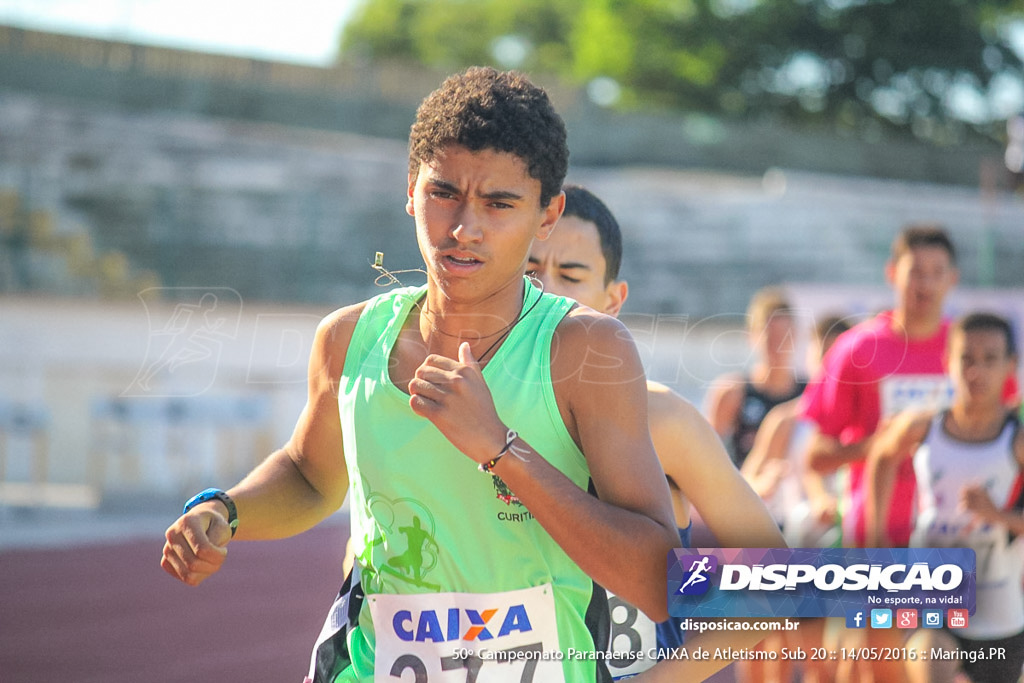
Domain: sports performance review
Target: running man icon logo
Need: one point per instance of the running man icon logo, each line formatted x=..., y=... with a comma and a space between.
x=695, y=580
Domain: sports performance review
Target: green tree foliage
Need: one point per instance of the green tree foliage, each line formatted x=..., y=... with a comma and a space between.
x=929, y=67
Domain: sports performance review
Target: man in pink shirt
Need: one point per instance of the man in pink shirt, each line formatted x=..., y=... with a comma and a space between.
x=884, y=365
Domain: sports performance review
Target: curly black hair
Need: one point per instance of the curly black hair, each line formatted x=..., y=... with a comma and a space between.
x=483, y=108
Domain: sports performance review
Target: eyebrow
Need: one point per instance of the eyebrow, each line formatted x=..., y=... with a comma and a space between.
x=502, y=194
x=563, y=266
x=497, y=194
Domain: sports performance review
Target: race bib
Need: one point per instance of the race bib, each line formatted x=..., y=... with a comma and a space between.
x=989, y=544
x=507, y=637
x=899, y=392
x=633, y=636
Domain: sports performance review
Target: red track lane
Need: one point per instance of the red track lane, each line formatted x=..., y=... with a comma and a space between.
x=109, y=613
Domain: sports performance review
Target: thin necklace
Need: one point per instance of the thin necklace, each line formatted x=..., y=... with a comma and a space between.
x=389, y=278
x=424, y=311
x=522, y=314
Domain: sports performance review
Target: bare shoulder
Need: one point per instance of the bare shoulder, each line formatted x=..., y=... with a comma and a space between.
x=906, y=429
x=594, y=347
x=913, y=423
x=597, y=376
x=665, y=407
x=333, y=334
x=687, y=446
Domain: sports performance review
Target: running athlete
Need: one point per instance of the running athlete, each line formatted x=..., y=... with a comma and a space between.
x=968, y=461
x=738, y=403
x=474, y=404
x=581, y=260
x=882, y=366
x=888, y=363
x=802, y=501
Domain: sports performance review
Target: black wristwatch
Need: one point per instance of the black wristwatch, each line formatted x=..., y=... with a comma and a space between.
x=215, y=494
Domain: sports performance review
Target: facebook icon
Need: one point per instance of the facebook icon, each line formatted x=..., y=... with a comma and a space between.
x=855, y=618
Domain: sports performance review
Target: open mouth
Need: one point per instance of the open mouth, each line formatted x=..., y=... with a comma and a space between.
x=462, y=260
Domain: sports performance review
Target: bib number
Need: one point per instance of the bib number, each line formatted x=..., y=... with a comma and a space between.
x=900, y=392
x=507, y=637
x=633, y=635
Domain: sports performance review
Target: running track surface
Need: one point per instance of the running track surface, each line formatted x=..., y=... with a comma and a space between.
x=109, y=614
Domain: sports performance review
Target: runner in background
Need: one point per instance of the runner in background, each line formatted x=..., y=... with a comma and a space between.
x=968, y=463
x=581, y=259
x=737, y=403
x=802, y=502
x=888, y=363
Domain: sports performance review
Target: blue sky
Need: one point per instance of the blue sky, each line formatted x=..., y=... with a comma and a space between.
x=302, y=31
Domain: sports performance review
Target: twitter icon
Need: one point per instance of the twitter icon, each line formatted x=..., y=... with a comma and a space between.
x=881, y=618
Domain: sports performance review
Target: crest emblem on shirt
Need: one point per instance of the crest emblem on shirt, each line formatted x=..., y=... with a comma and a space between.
x=504, y=493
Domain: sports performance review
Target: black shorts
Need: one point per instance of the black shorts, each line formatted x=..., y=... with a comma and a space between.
x=998, y=660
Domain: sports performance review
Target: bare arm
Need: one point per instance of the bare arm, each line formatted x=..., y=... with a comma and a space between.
x=304, y=482
x=604, y=402
x=766, y=463
x=693, y=456
x=821, y=499
x=826, y=454
x=723, y=404
x=976, y=499
x=293, y=489
x=890, y=446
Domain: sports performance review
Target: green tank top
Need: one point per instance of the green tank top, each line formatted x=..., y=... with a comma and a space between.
x=446, y=556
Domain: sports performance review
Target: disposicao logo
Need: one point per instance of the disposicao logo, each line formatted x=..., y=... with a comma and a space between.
x=819, y=582
x=830, y=577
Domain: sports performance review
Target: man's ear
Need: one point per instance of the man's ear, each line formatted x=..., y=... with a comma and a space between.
x=409, y=207
x=552, y=212
x=890, y=272
x=614, y=296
